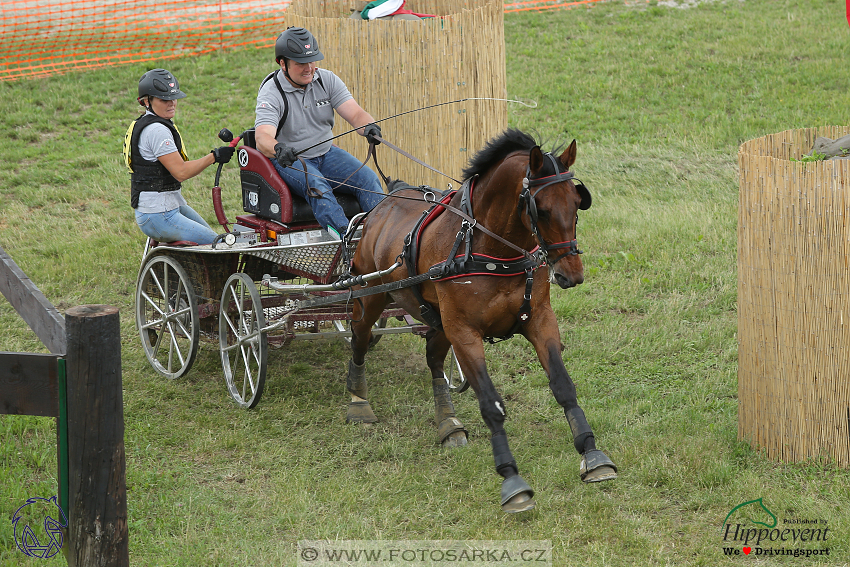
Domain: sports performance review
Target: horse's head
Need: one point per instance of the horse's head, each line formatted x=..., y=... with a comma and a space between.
x=549, y=203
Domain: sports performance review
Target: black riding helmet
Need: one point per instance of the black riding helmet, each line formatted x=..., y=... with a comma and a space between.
x=161, y=84
x=297, y=44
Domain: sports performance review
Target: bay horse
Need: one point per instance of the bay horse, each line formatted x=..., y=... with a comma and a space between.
x=522, y=206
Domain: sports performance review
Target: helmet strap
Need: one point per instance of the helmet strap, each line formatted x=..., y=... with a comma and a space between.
x=286, y=74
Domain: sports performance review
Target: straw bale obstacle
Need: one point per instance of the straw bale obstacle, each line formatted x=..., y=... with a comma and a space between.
x=396, y=66
x=794, y=298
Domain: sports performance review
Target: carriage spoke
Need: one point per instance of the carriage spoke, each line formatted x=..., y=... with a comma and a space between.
x=158, y=284
x=152, y=303
x=225, y=317
x=174, y=347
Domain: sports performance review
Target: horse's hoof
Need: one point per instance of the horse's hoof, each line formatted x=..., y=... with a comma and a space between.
x=597, y=467
x=601, y=474
x=360, y=412
x=456, y=439
x=516, y=495
x=520, y=503
x=451, y=432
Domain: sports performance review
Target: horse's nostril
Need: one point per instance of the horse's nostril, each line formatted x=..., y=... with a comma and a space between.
x=565, y=283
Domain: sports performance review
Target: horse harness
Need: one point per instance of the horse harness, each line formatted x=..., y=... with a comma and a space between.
x=469, y=263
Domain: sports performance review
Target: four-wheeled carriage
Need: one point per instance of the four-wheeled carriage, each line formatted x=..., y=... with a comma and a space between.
x=243, y=290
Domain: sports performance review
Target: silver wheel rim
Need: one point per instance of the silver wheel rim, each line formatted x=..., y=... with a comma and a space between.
x=244, y=347
x=167, y=317
x=462, y=384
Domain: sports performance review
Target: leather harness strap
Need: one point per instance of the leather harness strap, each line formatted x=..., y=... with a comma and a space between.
x=467, y=263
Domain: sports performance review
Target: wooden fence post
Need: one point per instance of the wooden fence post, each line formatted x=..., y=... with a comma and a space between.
x=97, y=467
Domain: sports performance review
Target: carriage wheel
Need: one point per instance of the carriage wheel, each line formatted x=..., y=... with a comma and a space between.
x=244, y=345
x=462, y=384
x=379, y=324
x=167, y=316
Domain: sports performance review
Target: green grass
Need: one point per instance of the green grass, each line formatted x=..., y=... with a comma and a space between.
x=659, y=100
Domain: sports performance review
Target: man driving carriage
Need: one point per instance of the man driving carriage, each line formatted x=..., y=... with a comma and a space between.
x=295, y=111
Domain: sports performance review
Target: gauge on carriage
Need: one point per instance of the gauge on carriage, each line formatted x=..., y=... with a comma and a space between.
x=230, y=239
x=243, y=157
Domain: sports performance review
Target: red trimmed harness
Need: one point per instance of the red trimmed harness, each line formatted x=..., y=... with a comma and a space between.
x=467, y=263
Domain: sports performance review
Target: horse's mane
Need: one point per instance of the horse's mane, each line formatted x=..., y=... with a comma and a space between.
x=495, y=150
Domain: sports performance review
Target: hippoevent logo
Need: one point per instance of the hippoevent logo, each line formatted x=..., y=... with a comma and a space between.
x=750, y=528
x=37, y=512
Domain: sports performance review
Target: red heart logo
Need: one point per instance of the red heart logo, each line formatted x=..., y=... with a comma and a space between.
x=747, y=550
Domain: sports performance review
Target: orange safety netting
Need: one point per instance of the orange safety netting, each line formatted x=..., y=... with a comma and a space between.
x=529, y=5
x=43, y=37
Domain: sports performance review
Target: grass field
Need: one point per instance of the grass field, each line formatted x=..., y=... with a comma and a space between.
x=659, y=99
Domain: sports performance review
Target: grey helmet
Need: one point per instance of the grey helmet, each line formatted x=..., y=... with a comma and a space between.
x=297, y=44
x=161, y=84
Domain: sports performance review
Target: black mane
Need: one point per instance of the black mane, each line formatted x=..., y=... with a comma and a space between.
x=494, y=151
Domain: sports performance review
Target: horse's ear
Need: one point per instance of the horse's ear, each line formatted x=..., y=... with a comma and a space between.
x=569, y=156
x=535, y=160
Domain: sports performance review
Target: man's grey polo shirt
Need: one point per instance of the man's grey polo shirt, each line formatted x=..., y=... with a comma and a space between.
x=311, y=110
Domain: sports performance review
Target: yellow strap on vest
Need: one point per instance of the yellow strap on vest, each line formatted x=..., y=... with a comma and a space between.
x=127, y=153
x=182, y=147
x=128, y=137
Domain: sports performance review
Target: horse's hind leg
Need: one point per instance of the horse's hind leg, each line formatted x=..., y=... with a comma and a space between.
x=364, y=314
x=449, y=428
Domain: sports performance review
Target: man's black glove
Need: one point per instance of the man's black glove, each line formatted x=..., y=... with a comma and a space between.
x=371, y=131
x=284, y=155
x=222, y=154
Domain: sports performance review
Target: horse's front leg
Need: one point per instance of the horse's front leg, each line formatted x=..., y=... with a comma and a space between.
x=450, y=430
x=516, y=494
x=543, y=333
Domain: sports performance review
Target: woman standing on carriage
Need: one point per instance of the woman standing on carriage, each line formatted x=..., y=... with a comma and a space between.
x=154, y=153
x=293, y=128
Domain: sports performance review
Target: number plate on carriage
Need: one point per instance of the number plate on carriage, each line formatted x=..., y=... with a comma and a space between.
x=305, y=237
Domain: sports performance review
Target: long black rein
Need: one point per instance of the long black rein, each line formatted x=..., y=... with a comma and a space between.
x=531, y=261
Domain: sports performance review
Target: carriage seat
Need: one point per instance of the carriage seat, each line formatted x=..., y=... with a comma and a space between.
x=155, y=243
x=266, y=195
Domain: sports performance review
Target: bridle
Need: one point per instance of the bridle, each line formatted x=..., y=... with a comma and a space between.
x=526, y=199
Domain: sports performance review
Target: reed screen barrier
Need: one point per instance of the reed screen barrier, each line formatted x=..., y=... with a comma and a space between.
x=396, y=66
x=794, y=298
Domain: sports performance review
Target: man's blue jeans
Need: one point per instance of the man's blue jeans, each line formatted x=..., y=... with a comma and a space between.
x=325, y=173
x=182, y=223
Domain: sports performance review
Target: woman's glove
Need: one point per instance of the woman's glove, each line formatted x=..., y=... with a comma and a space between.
x=222, y=154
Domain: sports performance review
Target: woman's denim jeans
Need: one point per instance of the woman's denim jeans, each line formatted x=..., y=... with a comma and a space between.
x=182, y=223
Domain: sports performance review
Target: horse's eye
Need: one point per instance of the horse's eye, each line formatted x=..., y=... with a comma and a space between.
x=542, y=214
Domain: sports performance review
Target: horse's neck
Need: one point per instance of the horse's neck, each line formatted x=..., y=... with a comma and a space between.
x=495, y=207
